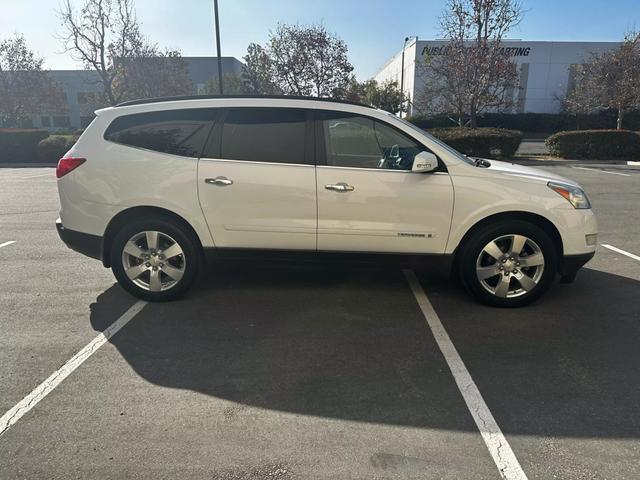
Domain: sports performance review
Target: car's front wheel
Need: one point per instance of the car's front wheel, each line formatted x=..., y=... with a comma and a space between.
x=155, y=260
x=508, y=264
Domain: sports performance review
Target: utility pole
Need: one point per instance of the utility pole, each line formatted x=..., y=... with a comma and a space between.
x=215, y=10
x=404, y=45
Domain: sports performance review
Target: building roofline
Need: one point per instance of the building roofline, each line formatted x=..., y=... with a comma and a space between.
x=214, y=97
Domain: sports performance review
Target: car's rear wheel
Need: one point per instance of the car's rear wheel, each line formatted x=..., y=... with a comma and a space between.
x=508, y=264
x=155, y=260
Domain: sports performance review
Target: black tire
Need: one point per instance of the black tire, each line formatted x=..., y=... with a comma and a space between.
x=191, y=256
x=474, y=245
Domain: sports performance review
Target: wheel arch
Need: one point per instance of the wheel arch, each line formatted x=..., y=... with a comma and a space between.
x=136, y=213
x=538, y=220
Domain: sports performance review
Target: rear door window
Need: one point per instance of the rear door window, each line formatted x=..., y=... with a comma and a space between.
x=274, y=135
x=178, y=132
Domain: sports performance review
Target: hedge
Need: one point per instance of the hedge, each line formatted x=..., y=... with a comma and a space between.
x=595, y=144
x=20, y=145
x=51, y=149
x=481, y=142
x=536, y=122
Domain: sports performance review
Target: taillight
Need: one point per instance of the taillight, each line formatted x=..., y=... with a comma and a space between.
x=65, y=165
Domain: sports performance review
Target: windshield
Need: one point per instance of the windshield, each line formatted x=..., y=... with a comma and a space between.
x=449, y=149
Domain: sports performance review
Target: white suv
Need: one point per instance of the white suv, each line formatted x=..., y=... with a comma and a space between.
x=153, y=188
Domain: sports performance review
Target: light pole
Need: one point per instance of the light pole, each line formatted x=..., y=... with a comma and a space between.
x=406, y=39
x=215, y=11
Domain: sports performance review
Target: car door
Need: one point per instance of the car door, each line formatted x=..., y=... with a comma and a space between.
x=256, y=179
x=368, y=198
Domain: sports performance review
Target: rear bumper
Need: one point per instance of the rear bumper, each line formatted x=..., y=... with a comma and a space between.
x=85, y=243
x=572, y=263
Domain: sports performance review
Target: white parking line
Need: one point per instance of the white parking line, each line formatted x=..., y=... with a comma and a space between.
x=7, y=243
x=46, y=387
x=602, y=171
x=499, y=448
x=616, y=249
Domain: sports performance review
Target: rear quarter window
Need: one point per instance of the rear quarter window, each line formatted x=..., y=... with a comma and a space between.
x=178, y=132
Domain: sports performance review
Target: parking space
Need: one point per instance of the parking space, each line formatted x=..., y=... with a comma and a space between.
x=272, y=371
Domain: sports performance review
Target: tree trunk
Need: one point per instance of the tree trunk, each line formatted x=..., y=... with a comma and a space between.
x=620, y=117
x=474, y=116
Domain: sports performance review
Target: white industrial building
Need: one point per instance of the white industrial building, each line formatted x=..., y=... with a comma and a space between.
x=546, y=70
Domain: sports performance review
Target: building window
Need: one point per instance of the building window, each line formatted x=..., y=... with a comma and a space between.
x=85, y=98
x=61, y=121
x=26, y=123
x=45, y=121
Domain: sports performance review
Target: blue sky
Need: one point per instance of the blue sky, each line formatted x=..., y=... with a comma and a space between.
x=373, y=29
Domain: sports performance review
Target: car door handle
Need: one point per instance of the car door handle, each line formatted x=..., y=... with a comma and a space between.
x=221, y=181
x=340, y=187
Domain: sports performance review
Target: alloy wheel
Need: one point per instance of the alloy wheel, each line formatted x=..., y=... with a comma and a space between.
x=153, y=261
x=510, y=266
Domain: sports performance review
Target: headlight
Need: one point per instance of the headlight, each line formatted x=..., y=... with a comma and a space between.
x=575, y=195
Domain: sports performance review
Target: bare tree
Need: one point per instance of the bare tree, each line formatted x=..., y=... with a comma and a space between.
x=609, y=80
x=25, y=88
x=105, y=36
x=474, y=72
x=151, y=72
x=301, y=60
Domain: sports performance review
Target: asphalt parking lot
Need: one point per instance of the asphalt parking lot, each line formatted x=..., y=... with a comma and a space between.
x=299, y=372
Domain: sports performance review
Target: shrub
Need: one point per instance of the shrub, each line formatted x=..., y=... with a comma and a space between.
x=481, y=142
x=52, y=149
x=428, y=122
x=595, y=144
x=536, y=122
x=19, y=145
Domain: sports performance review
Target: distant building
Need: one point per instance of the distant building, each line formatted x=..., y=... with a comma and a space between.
x=79, y=86
x=547, y=70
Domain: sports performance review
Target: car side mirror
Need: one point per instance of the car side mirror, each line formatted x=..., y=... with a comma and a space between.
x=424, y=162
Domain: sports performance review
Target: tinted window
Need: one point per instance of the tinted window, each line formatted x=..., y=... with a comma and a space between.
x=356, y=141
x=178, y=132
x=264, y=135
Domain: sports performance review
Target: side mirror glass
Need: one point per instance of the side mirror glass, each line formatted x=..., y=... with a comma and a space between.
x=424, y=162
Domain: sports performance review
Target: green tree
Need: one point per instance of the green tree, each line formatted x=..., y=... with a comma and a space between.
x=25, y=87
x=385, y=95
x=258, y=71
x=233, y=84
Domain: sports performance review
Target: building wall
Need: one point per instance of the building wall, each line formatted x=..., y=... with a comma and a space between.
x=79, y=85
x=546, y=69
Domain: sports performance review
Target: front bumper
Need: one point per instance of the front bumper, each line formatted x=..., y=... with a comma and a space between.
x=85, y=243
x=572, y=263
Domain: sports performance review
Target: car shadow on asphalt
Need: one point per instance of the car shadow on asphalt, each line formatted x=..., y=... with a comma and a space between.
x=351, y=343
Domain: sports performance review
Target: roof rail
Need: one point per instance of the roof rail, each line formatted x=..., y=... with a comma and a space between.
x=211, y=97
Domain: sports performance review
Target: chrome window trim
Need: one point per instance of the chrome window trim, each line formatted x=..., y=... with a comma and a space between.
x=386, y=170
x=256, y=162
